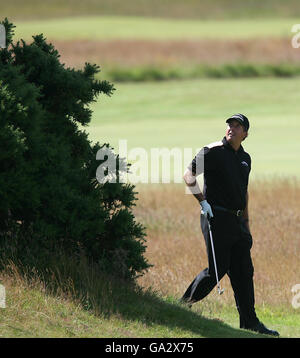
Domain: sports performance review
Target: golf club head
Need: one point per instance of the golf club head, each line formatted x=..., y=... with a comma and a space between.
x=220, y=290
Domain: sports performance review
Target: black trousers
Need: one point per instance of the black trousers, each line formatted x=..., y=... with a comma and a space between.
x=232, y=244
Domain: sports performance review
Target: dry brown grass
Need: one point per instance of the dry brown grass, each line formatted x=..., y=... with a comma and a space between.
x=176, y=246
x=129, y=53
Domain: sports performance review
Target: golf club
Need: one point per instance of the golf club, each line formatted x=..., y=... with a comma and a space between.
x=220, y=291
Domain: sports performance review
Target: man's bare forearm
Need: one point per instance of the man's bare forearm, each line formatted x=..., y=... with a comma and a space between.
x=195, y=190
x=206, y=209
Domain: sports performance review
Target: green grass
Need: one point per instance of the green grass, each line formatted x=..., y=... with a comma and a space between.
x=159, y=8
x=121, y=27
x=31, y=311
x=235, y=70
x=190, y=114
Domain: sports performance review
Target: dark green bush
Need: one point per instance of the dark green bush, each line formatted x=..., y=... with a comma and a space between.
x=50, y=201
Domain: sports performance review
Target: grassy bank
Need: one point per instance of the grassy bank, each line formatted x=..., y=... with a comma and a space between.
x=86, y=305
x=111, y=309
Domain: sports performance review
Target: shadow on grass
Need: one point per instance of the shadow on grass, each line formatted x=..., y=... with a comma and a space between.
x=147, y=307
x=107, y=296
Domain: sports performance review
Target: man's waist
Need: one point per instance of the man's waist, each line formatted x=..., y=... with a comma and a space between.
x=235, y=212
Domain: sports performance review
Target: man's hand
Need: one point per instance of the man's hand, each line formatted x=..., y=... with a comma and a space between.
x=206, y=209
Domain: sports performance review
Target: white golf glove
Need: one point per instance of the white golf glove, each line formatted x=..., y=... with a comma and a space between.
x=206, y=209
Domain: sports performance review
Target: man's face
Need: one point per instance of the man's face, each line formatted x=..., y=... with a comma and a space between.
x=235, y=132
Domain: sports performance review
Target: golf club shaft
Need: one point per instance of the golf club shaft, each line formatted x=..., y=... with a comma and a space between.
x=214, y=257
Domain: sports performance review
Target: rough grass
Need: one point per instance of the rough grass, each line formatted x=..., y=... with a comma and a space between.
x=170, y=53
x=177, y=251
x=158, y=60
x=80, y=304
x=76, y=300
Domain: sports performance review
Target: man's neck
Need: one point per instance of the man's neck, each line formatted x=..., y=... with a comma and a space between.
x=234, y=145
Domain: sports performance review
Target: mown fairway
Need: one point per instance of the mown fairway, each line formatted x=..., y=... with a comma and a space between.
x=119, y=27
x=190, y=114
x=189, y=9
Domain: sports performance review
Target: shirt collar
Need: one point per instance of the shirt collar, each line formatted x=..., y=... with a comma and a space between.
x=227, y=145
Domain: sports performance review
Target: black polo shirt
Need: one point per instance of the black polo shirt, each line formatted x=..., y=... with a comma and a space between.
x=226, y=174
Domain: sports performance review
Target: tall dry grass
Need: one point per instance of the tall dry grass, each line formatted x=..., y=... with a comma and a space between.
x=176, y=248
x=130, y=53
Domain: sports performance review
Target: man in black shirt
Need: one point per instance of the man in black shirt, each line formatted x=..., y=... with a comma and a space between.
x=224, y=202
